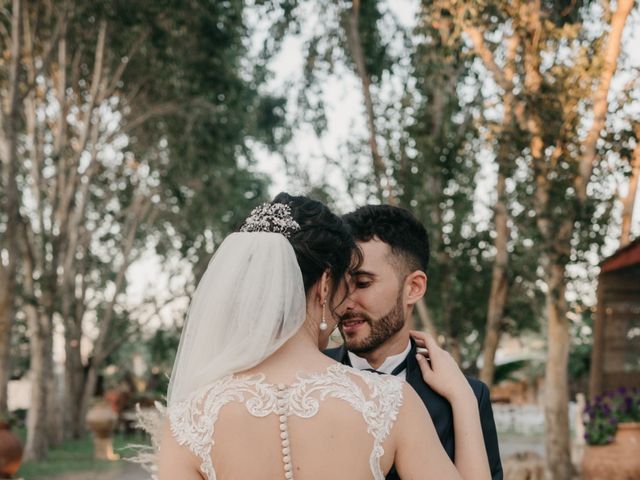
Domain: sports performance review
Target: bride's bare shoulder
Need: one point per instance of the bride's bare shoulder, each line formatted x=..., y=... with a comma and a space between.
x=418, y=452
x=175, y=460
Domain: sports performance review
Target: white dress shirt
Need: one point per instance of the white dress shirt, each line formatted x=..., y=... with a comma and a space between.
x=387, y=366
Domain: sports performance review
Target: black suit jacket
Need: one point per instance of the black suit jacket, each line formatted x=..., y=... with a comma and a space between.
x=440, y=410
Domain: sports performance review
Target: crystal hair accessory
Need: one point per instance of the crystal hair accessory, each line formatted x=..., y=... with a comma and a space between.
x=271, y=217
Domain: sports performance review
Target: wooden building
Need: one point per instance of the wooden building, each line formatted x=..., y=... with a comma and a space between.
x=615, y=358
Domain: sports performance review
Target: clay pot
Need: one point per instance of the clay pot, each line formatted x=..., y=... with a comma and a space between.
x=10, y=451
x=101, y=420
x=619, y=460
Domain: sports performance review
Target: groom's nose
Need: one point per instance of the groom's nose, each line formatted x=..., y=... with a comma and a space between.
x=347, y=305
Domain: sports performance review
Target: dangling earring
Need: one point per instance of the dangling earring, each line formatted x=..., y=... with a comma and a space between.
x=323, y=323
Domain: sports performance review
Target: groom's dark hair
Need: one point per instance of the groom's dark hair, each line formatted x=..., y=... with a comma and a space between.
x=395, y=226
x=323, y=241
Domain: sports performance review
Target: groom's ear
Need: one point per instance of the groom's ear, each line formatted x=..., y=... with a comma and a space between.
x=415, y=286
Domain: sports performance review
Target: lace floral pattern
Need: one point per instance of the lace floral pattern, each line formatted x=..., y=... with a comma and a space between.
x=193, y=420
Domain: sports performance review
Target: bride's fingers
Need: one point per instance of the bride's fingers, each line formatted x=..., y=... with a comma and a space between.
x=418, y=337
x=425, y=367
x=427, y=341
x=431, y=343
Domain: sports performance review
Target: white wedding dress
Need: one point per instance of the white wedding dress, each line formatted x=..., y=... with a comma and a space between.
x=288, y=427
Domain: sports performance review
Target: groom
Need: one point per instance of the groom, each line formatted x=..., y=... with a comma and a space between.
x=373, y=318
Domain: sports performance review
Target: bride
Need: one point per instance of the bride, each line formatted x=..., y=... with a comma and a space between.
x=253, y=397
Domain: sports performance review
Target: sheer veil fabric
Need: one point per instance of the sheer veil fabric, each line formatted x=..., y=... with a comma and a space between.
x=249, y=302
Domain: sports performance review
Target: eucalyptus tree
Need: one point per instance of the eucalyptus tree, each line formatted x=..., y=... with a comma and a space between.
x=436, y=172
x=129, y=126
x=564, y=68
x=9, y=129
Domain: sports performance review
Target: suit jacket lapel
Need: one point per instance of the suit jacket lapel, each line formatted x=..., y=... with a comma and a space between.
x=414, y=375
x=343, y=356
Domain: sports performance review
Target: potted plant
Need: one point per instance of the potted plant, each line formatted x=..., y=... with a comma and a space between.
x=11, y=450
x=612, y=434
x=102, y=420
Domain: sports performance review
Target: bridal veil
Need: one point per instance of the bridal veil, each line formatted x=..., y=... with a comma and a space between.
x=249, y=302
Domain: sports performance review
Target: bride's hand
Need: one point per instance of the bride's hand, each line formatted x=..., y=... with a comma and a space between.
x=441, y=371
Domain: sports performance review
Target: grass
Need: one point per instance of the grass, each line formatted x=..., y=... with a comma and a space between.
x=74, y=456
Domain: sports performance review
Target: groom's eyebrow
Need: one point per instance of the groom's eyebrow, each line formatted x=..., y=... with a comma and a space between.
x=363, y=272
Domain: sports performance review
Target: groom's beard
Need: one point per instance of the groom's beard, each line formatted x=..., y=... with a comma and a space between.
x=380, y=330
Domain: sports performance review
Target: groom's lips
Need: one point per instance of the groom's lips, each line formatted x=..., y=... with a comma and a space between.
x=352, y=325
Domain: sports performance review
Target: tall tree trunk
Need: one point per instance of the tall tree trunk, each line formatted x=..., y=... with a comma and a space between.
x=556, y=384
x=354, y=43
x=38, y=310
x=556, y=375
x=499, y=286
x=9, y=124
x=55, y=412
x=499, y=283
x=6, y=321
x=37, y=445
x=73, y=376
x=629, y=200
x=556, y=408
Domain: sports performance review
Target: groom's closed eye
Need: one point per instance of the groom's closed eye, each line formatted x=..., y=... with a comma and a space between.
x=362, y=280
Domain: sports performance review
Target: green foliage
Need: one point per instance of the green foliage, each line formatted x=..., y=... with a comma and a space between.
x=376, y=53
x=436, y=178
x=580, y=350
x=507, y=371
x=156, y=349
x=19, y=354
x=74, y=456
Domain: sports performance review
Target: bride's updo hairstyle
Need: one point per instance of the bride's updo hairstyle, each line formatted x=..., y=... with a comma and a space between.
x=322, y=242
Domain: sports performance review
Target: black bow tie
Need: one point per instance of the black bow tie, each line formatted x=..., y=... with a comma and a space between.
x=395, y=371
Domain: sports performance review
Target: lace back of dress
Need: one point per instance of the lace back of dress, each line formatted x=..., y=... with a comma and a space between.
x=193, y=420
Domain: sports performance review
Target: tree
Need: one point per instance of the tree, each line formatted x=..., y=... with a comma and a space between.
x=107, y=163
x=629, y=201
x=435, y=173
x=9, y=120
x=363, y=63
x=550, y=97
